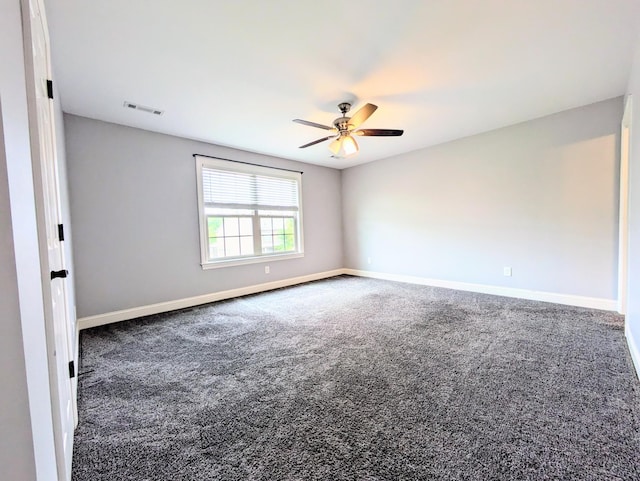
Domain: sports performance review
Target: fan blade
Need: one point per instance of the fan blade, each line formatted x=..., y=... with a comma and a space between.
x=379, y=132
x=312, y=124
x=315, y=142
x=363, y=114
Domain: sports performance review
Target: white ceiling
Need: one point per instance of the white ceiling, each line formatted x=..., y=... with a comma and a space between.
x=236, y=73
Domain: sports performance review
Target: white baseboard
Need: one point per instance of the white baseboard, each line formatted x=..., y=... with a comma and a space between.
x=567, y=299
x=633, y=349
x=125, y=314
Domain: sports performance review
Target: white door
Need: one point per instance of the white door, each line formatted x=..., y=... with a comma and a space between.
x=61, y=333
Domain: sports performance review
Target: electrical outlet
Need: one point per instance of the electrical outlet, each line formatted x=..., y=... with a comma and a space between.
x=507, y=271
x=267, y=269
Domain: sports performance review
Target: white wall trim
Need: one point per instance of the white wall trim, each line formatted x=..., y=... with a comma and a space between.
x=633, y=349
x=125, y=314
x=567, y=299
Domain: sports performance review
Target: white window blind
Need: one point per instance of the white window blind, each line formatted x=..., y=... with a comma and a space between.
x=222, y=188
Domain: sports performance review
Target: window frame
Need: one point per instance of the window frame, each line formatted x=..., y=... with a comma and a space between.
x=203, y=162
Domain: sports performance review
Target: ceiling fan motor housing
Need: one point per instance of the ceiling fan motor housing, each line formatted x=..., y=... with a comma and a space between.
x=342, y=124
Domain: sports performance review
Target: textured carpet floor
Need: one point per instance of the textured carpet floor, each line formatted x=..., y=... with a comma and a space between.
x=360, y=379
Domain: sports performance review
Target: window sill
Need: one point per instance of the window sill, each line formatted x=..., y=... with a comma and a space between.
x=250, y=260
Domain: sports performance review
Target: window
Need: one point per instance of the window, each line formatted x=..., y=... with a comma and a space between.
x=247, y=212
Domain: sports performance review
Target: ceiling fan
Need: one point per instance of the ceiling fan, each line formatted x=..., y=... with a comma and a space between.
x=343, y=130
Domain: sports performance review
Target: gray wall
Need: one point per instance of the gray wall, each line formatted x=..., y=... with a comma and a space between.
x=633, y=287
x=135, y=218
x=540, y=197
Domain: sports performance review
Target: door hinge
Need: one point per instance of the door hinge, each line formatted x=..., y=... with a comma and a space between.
x=60, y=232
x=50, y=89
x=72, y=369
x=59, y=274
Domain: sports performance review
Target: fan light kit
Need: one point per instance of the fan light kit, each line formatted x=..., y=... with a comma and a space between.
x=343, y=131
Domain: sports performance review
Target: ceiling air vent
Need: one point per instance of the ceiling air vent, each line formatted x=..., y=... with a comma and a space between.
x=149, y=110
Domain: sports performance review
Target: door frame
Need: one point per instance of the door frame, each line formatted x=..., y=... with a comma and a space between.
x=623, y=220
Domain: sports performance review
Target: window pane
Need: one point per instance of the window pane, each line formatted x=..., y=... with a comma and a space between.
x=232, y=246
x=246, y=226
x=278, y=243
x=231, y=226
x=265, y=225
x=216, y=247
x=246, y=246
x=278, y=225
x=289, y=243
x=289, y=226
x=267, y=244
x=214, y=225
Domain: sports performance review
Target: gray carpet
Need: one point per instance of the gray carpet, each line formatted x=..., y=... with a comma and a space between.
x=360, y=379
